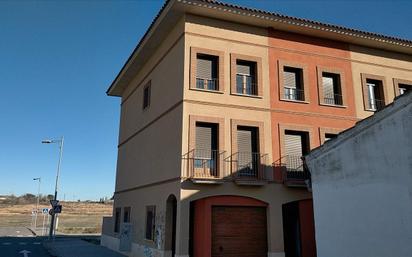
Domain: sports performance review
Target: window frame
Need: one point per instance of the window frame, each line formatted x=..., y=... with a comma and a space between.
x=153, y=227
x=305, y=80
x=324, y=131
x=284, y=127
x=194, y=52
x=127, y=210
x=396, y=83
x=117, y=219
x=148, y=87
x=234, y=57
x=342, y=84
x=364, y=78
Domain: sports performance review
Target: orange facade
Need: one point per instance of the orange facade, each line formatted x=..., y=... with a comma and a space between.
x=312, y=55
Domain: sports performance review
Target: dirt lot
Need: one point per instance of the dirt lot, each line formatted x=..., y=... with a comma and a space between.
x=75, y=218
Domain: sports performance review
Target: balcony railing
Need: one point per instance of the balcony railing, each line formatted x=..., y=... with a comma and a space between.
x=248, y=165
x=294, y=94
x=246, y=85
x=333, y=99
x=294, y=172
x=376, y=104
x=208, y=84
x=203, y=163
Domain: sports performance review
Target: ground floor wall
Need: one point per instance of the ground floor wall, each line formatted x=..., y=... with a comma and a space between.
x=271, y=195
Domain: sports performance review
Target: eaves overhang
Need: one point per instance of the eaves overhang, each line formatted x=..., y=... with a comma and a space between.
x=173, y=10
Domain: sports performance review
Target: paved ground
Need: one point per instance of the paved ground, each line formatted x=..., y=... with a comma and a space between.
x=75, y=247
x=20, y=242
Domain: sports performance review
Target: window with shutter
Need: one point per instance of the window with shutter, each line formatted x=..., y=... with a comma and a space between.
x=331, y=88
x=403, y=88
x=206, y=72
x=293, y=84
x=150, y=222
x=206, y=145
x=246, y=78
x=296, y=145
x=247, y=143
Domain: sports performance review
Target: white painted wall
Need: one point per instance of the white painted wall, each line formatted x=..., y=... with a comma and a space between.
x=362, y=187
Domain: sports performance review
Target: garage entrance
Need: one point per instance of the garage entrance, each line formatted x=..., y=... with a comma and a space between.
x=239, y=231
x=228, y=226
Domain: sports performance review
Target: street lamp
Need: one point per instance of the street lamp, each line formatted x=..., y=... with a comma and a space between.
x=60, y=142
x=37, y=204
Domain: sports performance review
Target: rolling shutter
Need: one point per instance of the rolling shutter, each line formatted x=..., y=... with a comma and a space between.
x=289, y=79
x=244, y=140
x=327, y=87
x=204, y=142
x=293, y=145
x=244, y=69
x=204, y=68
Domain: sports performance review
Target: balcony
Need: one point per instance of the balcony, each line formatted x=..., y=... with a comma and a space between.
x=293, y=171
x=248, y=168
x=333, y=99
x=205, y=166
x=376, y=104
x=246, y=85
x=207, y=84
x=294, y=94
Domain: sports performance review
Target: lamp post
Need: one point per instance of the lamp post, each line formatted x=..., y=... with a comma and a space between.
x=60, y=142
x=37, y=203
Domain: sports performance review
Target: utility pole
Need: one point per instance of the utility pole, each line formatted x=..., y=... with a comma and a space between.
x=60, y=142
x=37, y=203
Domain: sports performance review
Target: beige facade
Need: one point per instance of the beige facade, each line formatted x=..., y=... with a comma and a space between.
x=157, y=142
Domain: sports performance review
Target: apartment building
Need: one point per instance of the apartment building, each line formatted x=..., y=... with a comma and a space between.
x=218, y=104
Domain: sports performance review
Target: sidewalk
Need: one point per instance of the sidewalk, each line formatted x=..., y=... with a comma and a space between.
x=75, y=247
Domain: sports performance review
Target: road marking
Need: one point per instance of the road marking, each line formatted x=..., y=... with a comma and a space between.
x=19, y=235
x=22, y=243
x=25, y=253
x=18, y=231
x=36, y=243
x=7, y=243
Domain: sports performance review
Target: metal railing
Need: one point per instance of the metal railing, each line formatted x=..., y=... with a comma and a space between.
x=376, y=104
x=246, y=85
x=204, y=163
x=248, y=165
x=294, y=94
x=334, y=99
x=208, y=84
x=293, y=170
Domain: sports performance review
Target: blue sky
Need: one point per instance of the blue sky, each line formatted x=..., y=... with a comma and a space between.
x=58, y=58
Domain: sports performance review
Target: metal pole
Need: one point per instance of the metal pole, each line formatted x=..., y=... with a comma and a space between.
x=37, y=204
x=51, y=232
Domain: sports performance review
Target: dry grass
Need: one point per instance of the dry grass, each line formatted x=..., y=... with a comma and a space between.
x=76, y=218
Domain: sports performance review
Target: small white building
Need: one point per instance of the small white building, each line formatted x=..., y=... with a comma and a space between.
x=362, y=187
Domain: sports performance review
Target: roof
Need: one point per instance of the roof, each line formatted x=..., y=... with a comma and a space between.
x=398, y=104
x=172, y=10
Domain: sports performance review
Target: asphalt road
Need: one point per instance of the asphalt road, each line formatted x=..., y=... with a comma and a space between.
x=20, y=242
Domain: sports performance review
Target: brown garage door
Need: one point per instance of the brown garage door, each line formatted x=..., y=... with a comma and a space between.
x=239, y=231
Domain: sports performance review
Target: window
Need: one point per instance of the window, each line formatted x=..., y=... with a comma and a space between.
x=206, y=152
x=331, y=88
x=329, y=136
x=117, y=220
x=375, y=94
x=207, y=72
x=373, y=88
x=246, y=75
x=246, y=81
x=248, y=156
x=150, y=222
x=293, y=84
x=402, y=86
x=146, y=96
x=296, y=144
x=126, y=215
